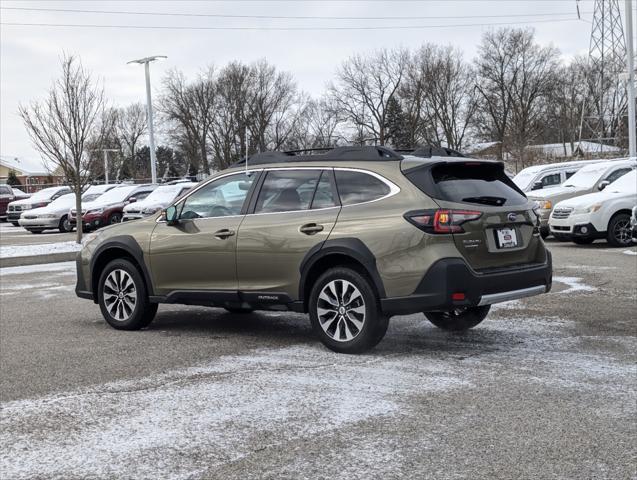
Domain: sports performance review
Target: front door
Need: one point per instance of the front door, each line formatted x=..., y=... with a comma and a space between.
x=295, y=211
x=199, y=252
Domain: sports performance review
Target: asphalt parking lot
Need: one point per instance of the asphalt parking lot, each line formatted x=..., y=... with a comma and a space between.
x=544, y=388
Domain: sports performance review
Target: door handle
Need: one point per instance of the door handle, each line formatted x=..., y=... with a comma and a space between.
x=223, y=233
x=311, y=228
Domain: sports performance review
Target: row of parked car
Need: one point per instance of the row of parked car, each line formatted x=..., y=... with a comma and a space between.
x=583, y=201
x=54, y=207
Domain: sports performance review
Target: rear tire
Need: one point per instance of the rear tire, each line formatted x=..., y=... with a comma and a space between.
x=15, y=224
x=544, y=233
x=583, y=240
x=123, y=298
x=619, y=231
x=65, y=225
x=345, y=311
x=458, y=320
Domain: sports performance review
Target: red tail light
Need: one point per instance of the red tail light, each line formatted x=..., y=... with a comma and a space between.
x=441, y=221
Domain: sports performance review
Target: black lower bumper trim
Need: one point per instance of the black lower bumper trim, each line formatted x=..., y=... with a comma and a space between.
x=453, y=275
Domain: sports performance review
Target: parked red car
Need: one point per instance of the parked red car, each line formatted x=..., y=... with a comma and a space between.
x=108, y=208
x=9, y=194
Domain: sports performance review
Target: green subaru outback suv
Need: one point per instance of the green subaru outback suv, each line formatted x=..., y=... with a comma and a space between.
x=351, y=236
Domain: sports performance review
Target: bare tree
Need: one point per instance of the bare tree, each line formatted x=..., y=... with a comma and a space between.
x=191, y=106
x=364, y=87
x=61, y=125
x=130, y=125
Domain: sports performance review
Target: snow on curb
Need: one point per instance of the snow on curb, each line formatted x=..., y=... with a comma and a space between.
x=10, y=251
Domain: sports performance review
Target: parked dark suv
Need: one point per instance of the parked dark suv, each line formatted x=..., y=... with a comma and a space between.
x=351, y=236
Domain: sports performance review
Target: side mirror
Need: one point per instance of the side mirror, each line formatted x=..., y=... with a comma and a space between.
x=603, y=185
x=537, y=186
x=132, y=200
x=171, y=215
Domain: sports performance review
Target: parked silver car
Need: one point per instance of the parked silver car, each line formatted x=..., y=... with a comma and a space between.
x=38, y=199
x=55, y=215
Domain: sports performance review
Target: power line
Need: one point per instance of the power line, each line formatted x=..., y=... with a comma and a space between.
x=280, y=17
x=379, y=27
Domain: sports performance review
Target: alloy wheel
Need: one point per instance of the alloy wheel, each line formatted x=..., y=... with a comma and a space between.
x=341, y=310
x=120, y=295
x=621, y=232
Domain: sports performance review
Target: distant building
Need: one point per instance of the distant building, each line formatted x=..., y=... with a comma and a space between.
x=33, y=175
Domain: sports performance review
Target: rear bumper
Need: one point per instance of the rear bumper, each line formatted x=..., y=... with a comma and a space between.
x=452, y=275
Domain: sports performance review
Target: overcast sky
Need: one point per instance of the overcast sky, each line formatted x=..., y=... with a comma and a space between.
x=30, y=54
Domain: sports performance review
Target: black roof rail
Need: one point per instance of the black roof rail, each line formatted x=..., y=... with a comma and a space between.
x=428, y=151
x=364, y=153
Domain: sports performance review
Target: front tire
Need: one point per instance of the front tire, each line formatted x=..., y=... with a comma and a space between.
x=123, y=298
x=15, y=224
x=65, y=225
x=619, y=231
x=460, y=319
x=33, y=230
x=115, y=218
x=345, y=311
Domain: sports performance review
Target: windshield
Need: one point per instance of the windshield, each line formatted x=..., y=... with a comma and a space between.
x=44, y=194
x=524, y=179
x=89, y=197
x=587, y=177
x=63, y=201
x=117, y=195
x=625, y=183
x=163, y=194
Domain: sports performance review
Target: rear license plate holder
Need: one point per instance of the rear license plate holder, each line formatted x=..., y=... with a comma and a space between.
x=506, y=238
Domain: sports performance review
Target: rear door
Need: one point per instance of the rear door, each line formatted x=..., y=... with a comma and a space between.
x=505, y=234
x=294, y=211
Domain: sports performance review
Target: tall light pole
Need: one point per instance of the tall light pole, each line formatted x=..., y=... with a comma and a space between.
x=151, y=131
x=630, y=86
x=106, y=150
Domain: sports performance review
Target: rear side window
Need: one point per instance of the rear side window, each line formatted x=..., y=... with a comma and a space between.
x=551, y=180
x=472, y=183
x=287, y=191
x=359, y=187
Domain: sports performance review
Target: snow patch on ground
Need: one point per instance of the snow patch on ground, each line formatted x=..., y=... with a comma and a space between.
x=67, y=267
x=511, y=305
x=630, y=252
x=574, y=284
x=8, y=251
x=184, y=422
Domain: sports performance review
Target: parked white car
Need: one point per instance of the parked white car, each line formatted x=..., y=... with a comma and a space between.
x=38, y=199
x=55, y=215
x=160, y=198
x=548, y=175
x=604, y=214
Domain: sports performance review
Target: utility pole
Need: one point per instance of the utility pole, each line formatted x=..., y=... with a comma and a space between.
x=630, y=85
x=106, y=150
x=149, y=106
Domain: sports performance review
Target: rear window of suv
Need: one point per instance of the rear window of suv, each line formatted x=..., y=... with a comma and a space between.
x=472, y=182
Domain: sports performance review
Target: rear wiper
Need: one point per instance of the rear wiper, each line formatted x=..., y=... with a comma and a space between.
x=497, y=201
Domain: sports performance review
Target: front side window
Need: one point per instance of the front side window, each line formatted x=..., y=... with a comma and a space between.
x=616, y=174
x=359, y=187
x=220, y=198
x=287, y=191
x=551, y=180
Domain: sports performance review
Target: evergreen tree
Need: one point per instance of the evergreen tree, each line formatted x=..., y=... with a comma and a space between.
x=396, y=125
x=12, y=179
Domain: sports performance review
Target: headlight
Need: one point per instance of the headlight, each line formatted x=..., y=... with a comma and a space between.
x=150, y=210
x=96, y=211
x=590, y=209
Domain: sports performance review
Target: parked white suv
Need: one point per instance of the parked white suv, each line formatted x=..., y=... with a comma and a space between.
x=160, y=198
x=589, y=179
x=549, y=175
x=604, y=214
